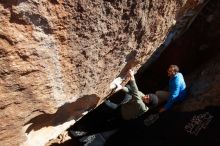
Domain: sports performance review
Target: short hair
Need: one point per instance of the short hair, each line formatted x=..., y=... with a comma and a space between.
x=175, y=68
x=153, y=100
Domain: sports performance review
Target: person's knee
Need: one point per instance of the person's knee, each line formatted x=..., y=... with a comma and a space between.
x=127, y=98
x=162, y=96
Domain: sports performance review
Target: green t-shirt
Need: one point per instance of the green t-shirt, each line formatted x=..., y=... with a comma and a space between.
x=135, y=107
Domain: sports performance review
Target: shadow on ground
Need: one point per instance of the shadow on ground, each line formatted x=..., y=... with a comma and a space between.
x=199, y=128
x=172, y=128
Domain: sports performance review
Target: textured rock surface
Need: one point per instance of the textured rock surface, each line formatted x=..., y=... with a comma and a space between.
x=58, y=58
x=204, y=89
x=197, y=54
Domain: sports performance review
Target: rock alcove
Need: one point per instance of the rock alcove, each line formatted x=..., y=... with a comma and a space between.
x=197, y=54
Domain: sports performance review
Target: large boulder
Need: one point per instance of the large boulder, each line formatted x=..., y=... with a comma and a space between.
x=59, y=57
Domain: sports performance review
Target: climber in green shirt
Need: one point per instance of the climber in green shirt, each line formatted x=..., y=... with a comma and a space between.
x=139, y=102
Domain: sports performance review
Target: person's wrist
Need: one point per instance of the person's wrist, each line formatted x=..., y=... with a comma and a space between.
x=132, y=78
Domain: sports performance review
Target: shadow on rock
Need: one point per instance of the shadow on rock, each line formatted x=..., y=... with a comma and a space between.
x=64, y=114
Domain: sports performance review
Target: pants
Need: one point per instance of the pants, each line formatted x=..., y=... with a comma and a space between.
x=162, y=96
x=112, y=105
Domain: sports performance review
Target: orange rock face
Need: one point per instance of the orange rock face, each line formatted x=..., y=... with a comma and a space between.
x=58, y=58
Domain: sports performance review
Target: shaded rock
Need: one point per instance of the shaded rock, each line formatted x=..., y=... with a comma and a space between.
x=56, y=53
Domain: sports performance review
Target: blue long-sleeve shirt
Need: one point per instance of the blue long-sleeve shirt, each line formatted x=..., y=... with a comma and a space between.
x=177, y=89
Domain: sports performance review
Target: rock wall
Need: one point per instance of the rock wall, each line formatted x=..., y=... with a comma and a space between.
x=197, y=53
x=196, y=46
x=58, y=58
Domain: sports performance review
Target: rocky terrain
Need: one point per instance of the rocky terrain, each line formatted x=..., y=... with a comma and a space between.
x=58, y=58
